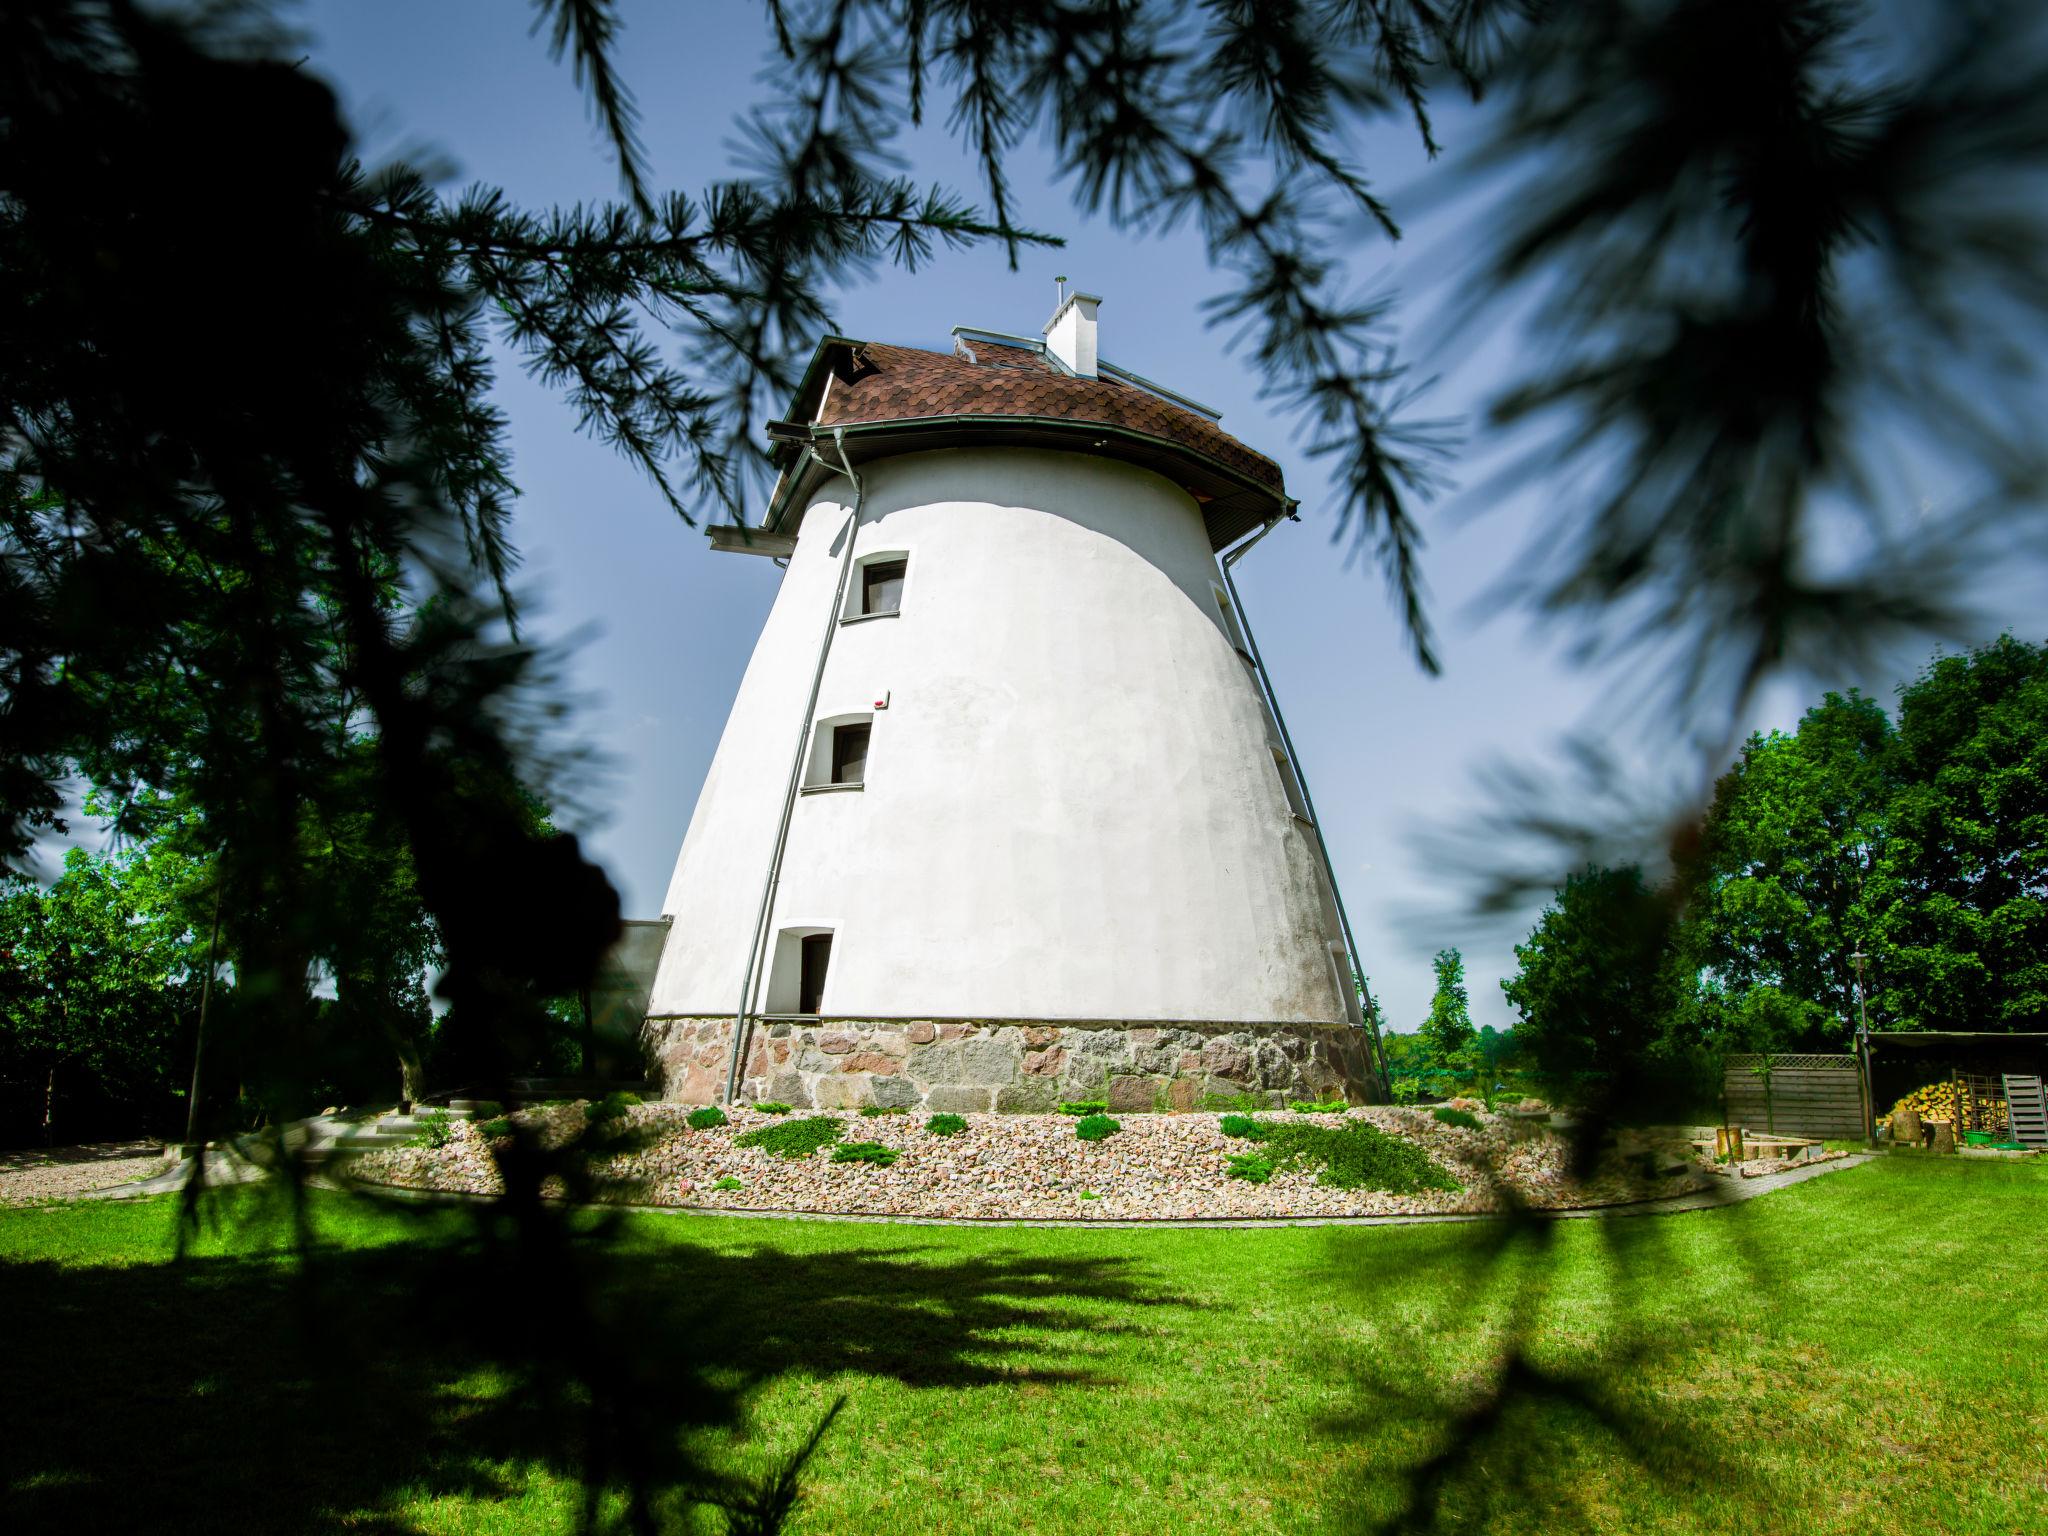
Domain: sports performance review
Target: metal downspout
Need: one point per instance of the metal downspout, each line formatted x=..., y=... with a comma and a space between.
x=750, y=985
x=1379, y=1053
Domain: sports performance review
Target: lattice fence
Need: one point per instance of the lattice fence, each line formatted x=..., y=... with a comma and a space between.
x=1806, y=1096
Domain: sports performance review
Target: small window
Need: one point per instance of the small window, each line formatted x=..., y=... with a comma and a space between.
x=881, y=586
x=850, y=753
x=1290, y=784
x=838, y=759
x=1230, y=627
x=817, y=955
x=1347, y=984
x=875, y=588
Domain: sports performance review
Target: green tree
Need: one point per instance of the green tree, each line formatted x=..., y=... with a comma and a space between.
x=1958, y=906
x=1447, y=1034
x=98, y=983
x=1796, y=828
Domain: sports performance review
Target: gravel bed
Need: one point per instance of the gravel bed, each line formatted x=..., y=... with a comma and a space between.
x=1159, y=1167
x=65, y=1173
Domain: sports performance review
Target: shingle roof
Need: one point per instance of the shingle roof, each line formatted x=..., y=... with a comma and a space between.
x=887, y=384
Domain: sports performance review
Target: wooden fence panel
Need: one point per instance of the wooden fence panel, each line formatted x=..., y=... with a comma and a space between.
x=1809, y=1095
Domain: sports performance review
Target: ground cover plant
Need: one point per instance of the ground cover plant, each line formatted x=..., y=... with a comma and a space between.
x=437, y=1129
x=612, y=1106
x=1318, y=1107
x=1085, y=1107
x=864, y=1152
x=709, y=1117
x=1252, y=1167
x=794, y=1138
x=772, y=1107
x=1358, y=1346
x=945, y=1125
x=1354, y=1155
x=1459, y=1117
x=1096, y=1127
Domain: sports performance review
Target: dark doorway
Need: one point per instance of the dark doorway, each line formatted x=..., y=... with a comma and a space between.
x=811, y=988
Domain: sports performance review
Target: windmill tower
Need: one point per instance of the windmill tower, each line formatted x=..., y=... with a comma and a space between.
x=1003, y=814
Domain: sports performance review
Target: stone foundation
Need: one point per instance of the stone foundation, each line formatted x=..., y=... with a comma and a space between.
x=975, y=1066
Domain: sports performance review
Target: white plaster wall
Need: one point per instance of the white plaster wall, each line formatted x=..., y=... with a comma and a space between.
x=1071, y=809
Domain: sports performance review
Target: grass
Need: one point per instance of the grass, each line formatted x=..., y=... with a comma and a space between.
x=1864, y=1352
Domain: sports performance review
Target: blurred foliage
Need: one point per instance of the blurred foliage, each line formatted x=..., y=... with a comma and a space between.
x=1783, y=262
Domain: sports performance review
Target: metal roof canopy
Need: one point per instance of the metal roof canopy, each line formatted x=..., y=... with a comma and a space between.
x=1917, y=1037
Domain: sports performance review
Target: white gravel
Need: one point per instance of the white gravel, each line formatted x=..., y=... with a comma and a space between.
x=65, y=1173
x=1159, y=1167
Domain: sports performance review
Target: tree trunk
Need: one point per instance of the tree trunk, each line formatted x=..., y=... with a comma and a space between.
x=412, y=1076
x=49, y=1103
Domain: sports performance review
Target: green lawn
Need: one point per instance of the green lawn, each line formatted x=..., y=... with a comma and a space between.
x=1867, y=1352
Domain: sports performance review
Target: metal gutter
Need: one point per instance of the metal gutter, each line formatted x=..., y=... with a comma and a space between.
x=750, y=985
x=1379, y=1051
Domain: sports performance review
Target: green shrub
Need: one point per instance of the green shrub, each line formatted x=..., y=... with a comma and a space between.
x=486, y=1109
x=1085, y=1107
x=1462, y=1117
x=706, y=1118
x=865, y=1152
x=1407, y=1090
x=1252, y=1167
x=612, y=1106
x=794, y=1138
x=437, y=1129
x=872, y=1111
x=772, y=1107
x=1087, y=1194
x=728, y=1182
x=493, y=1130
x=1239, y=1125
x=1095, y=1127
x=1327, y=1107
x=1355, y=1155
x=945, y=1125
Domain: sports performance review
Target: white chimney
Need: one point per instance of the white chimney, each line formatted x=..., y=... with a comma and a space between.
x=1070, y=333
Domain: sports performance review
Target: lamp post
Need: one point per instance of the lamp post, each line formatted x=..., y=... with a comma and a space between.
x=1859, y=959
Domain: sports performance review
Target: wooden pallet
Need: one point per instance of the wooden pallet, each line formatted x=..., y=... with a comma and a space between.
x=2026, y=1111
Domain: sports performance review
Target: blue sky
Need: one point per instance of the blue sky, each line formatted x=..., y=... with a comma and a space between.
x=659, y=629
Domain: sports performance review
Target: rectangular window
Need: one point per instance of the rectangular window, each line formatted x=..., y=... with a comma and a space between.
x=817, y=955
x=881, y=586
x=850, y=753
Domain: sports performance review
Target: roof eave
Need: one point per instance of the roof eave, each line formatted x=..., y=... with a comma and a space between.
x=1223, y=529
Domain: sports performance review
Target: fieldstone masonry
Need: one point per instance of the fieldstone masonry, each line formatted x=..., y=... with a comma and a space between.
x=973, y=1067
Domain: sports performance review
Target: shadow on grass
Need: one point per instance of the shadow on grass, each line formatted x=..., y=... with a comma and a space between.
x=250, y=1393
x=1525, y=1419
